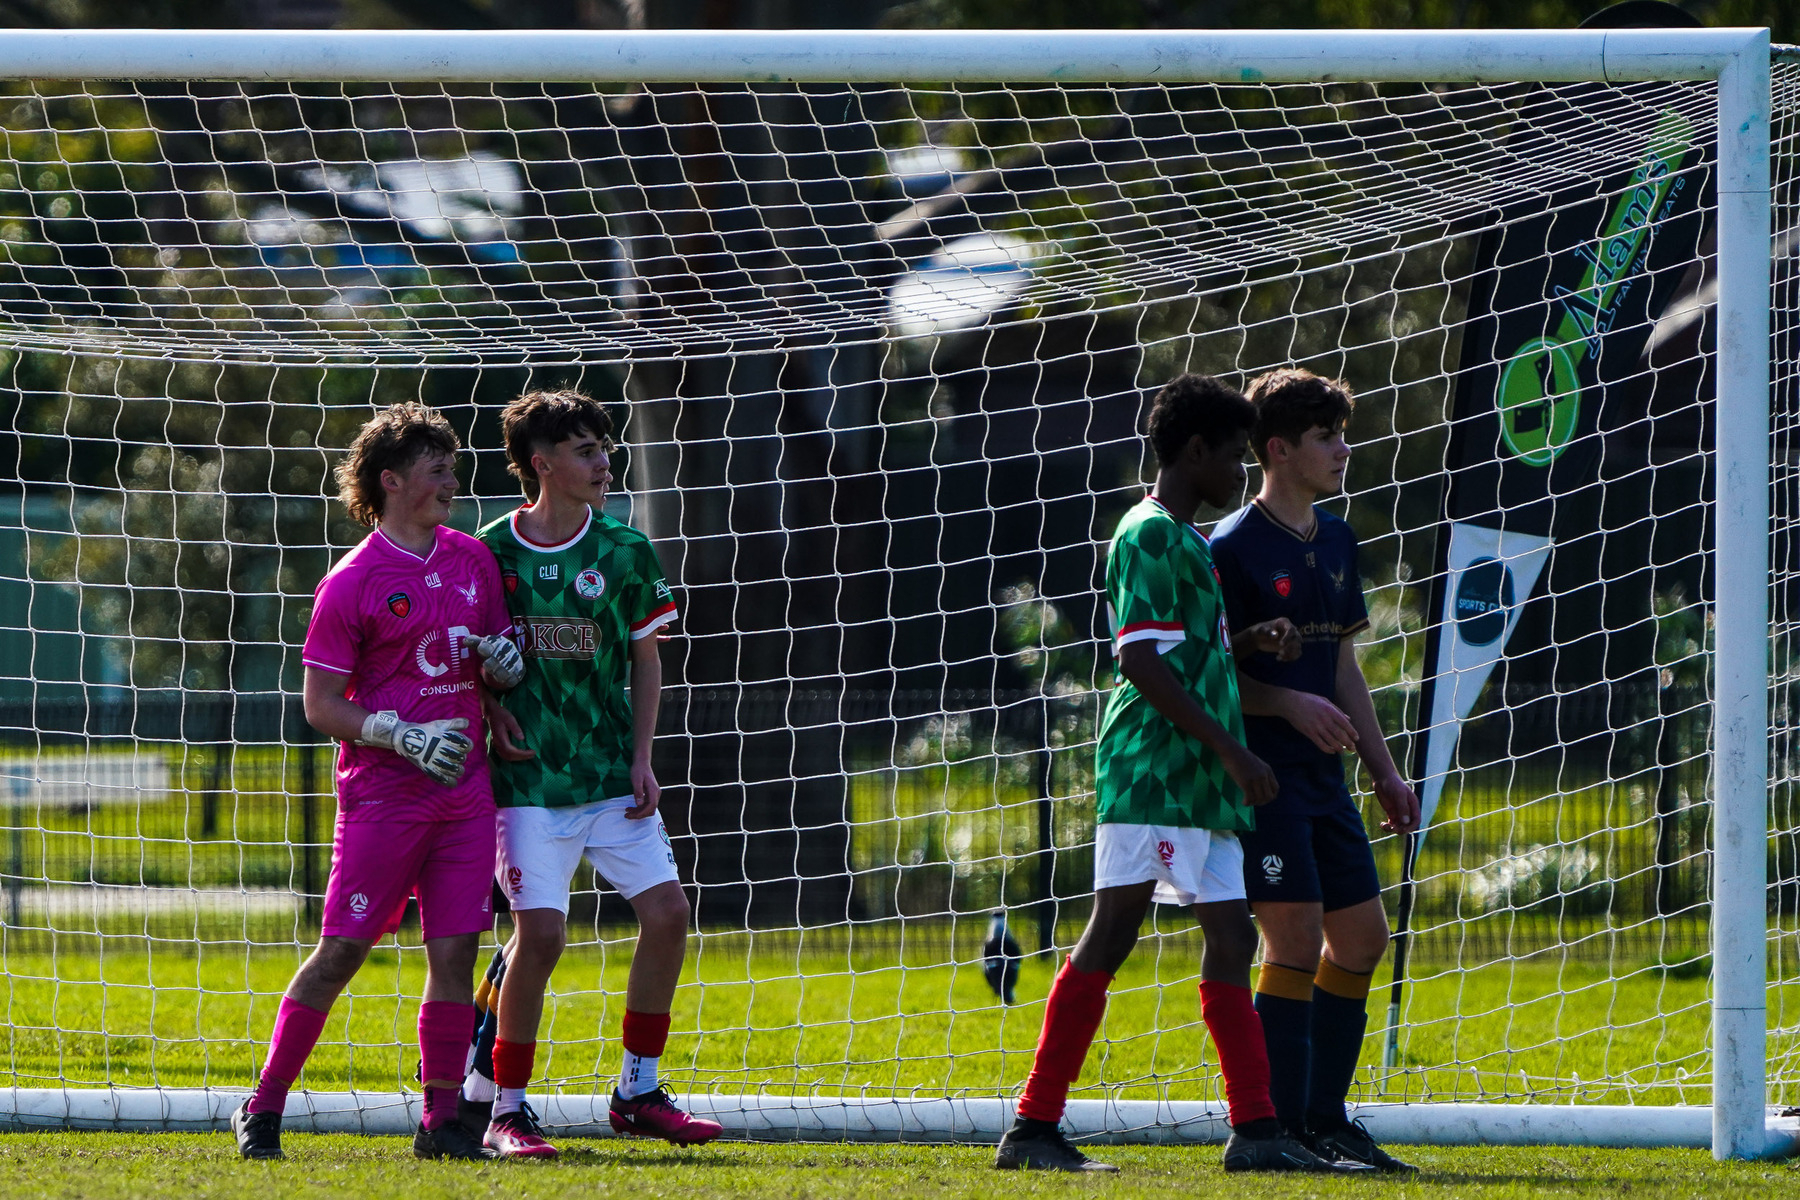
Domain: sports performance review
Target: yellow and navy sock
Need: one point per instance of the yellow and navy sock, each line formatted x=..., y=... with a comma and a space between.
x=1340, y=1014
x=1284, y=1002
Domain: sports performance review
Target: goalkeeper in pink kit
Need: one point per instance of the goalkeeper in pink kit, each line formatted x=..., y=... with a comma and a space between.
x=405, y=629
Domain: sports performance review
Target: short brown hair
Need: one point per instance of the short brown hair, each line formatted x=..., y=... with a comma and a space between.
x=393, y=440
x=544, y=419
x=1291, y=401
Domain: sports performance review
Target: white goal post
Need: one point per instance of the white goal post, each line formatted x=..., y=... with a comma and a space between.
x=1740, y=1123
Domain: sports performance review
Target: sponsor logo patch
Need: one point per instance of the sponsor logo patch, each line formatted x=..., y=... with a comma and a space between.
x=424, y=657
x=509, y=578
x=590, y=584
x=1484, y=595
x=1283, y=583
x=559, y=637
x=433, y=580
x=399, y=604
x=549, y=571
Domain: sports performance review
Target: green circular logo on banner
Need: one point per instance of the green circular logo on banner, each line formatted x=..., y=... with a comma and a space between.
x=1539, y=402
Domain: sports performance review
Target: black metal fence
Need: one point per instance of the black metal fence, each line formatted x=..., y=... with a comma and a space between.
x=1569, y=816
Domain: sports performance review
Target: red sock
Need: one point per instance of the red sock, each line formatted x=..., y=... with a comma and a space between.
x=645, y=1034
x=445, y=1029
x=1236, y=1030
x=512, y=1062
x=1071, y=1018
x=297, y=1030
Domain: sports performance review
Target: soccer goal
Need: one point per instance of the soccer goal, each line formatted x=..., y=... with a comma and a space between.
x=880, y=314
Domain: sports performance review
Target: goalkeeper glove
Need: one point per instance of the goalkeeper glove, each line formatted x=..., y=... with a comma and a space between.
x=435, y=747
x=500, y=659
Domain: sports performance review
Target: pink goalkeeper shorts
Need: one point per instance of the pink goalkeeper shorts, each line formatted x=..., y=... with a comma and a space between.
x=376, y=866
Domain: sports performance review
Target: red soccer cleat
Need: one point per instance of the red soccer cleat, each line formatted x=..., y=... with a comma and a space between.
x=517, y=1135
x=654, y=1114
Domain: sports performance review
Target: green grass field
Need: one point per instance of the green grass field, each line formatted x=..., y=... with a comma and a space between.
x=775, y=1013
x=198, y=1167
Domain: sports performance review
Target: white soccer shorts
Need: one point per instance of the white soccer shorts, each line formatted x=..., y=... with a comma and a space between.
x=540, y=848
x=1189, y=866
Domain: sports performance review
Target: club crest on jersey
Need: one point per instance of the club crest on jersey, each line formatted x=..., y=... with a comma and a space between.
x=1283, y=583
x=399, y=604
x=509, y=579
x=470, y=592
x=590, y=584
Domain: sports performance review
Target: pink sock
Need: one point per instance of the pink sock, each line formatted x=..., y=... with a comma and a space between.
x=297, y=1030
x=444, y=1032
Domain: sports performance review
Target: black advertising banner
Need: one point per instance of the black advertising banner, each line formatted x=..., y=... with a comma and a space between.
x=1559, y=315
x=1560, y=312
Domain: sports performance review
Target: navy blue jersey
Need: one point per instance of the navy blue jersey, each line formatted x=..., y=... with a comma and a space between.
x=1267, y=570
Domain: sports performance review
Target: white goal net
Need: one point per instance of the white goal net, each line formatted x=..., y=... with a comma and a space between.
x=880, y=353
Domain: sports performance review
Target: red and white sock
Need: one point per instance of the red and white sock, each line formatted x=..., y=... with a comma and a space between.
x=512, y=1072
x=644, y=1036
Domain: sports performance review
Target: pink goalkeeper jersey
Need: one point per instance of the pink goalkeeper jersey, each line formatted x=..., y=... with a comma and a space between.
x=394, y=623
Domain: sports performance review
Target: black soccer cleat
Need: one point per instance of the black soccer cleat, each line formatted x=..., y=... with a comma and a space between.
x=1281, y=1152
x=474, y=1115
x=1040, y=1146
x=258, y=1134
x=449, y=1140
x=1351, y=1142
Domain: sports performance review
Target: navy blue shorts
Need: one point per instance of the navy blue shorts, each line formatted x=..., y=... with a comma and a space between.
x=1320, y=857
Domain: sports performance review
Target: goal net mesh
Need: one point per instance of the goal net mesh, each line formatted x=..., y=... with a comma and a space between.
x=880, y=357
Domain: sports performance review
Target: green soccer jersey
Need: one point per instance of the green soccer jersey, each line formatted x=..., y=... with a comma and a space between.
x=576, y=608
x=1161, y=587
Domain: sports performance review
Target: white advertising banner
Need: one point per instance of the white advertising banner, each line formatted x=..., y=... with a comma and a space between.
x=1491, y=575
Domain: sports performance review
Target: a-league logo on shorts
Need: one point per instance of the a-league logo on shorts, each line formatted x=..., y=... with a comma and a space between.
x=359, y=904
x=1283, y=583
x=515, y=880
x=1166, y=851
x=590, y=584
x=1272, y=866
